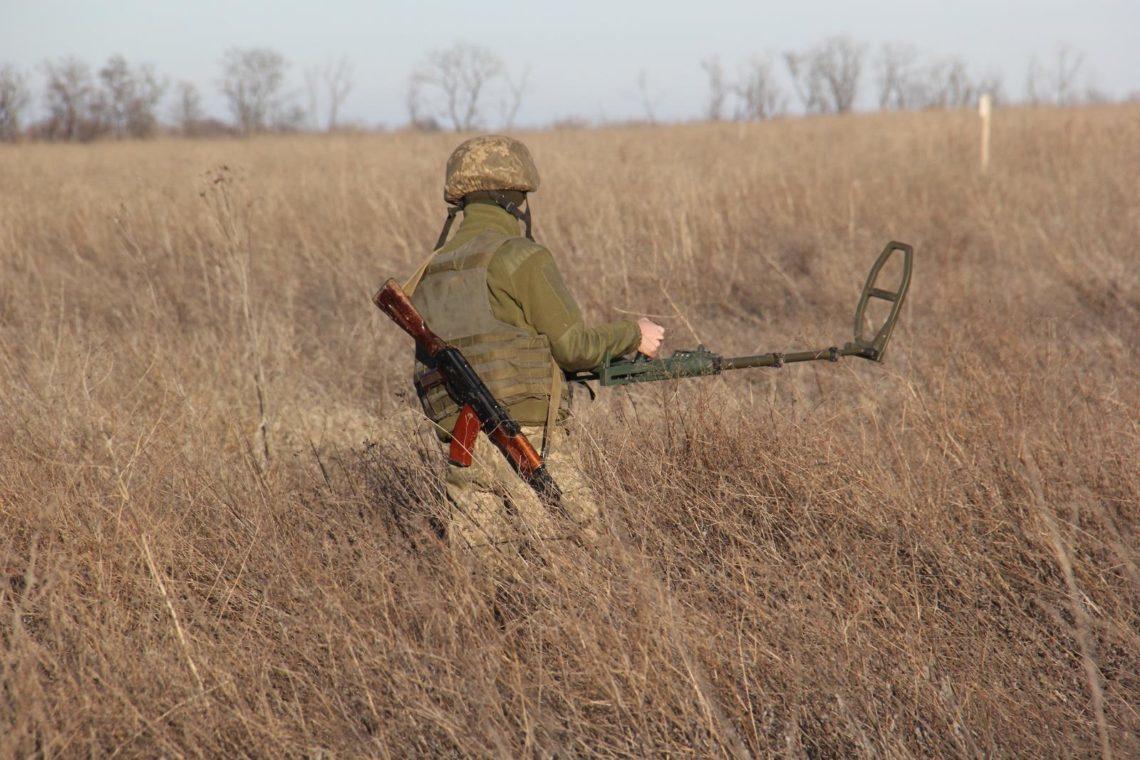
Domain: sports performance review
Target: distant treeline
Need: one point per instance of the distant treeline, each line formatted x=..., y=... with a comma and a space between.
x=456, y=87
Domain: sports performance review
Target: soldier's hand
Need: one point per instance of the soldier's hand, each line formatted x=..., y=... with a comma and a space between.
x=651, y=336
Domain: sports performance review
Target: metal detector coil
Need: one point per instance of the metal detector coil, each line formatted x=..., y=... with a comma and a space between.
x=874, y=347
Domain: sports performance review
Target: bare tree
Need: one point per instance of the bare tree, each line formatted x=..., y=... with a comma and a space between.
x=1035, y=87
x=142, y=119
x=1057, y=83
x=896, y=75
x=452, y=83
x=14, y=98
x=338, y=84
x=187, y=114
x=840, y=62
x=115, y=94
x=1067, y=64
x=948, y=85
x=418, y=116
x=128, y=98
x=252, y=79
x=806, y=81
x=69, y=98
x=1094, y=96
x=649, y=100
x=313, y=98
x=414, y=104
x=905, y=83
x=515, y=89
x=718, y=88
x=826, y=77
x=759, y=95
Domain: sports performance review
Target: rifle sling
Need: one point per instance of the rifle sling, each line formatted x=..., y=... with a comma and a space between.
x=414, y=281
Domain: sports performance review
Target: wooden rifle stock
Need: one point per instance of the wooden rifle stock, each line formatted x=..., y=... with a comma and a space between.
x=393, y=301
x=519, y=450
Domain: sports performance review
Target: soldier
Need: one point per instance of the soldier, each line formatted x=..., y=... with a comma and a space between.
x=498, y=296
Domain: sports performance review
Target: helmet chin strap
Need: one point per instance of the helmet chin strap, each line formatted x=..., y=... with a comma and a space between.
x=526, y=221
x=511, y=206
x=451, y=212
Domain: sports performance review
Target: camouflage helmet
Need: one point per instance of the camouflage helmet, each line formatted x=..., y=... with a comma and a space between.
x=489, y=162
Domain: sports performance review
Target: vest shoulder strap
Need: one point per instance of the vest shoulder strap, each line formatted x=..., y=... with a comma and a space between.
x=488, y=244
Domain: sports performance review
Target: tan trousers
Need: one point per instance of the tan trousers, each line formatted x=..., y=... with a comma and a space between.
x=490, y=506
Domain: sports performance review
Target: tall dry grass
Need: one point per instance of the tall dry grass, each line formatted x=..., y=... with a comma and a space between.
x=215, y=510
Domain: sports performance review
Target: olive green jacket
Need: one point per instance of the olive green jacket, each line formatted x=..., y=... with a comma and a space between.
x=526, y=290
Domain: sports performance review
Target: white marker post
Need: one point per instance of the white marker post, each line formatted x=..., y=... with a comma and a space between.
x=985, y=110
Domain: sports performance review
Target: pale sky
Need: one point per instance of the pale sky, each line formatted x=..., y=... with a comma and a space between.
x=584, y=56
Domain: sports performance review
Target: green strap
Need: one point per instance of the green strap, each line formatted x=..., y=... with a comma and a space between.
x=451, y=212
x=461, y=263
x=510, y=201
x=414, y=281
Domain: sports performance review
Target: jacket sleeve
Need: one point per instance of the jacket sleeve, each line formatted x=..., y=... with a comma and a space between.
x=547, y=305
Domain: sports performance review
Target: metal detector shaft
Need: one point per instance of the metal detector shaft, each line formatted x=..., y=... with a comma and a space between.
x=831, y=354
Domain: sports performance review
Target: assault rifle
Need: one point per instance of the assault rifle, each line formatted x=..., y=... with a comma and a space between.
x=700, y=361
x=478, y=408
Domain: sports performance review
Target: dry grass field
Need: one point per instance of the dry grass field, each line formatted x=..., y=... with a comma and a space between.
x=936, y=556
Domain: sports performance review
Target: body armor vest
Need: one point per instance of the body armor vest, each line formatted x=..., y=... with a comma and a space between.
x=453, y=298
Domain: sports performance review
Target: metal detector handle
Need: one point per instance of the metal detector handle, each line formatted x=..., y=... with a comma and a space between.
x=874, y=347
